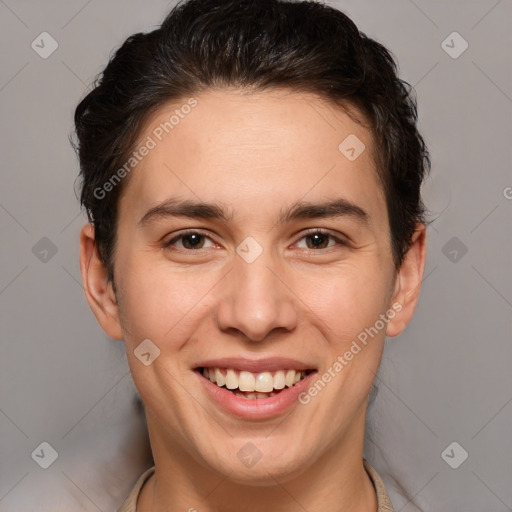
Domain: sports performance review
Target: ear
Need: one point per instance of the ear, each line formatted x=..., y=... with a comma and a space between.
x=408, y=283
x=98, y=289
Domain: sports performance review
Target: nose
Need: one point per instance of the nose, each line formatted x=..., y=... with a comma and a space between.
x=256, y=300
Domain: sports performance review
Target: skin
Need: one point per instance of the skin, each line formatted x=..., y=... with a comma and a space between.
x=256, y=154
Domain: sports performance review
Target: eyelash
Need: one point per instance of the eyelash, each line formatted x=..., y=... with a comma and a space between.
x=183, y=234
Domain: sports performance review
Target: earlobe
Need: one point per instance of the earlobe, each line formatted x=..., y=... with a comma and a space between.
x=408, y=283
x=98, y=289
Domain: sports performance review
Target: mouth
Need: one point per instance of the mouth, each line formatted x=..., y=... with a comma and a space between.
x=254, y=389
x=253, y=386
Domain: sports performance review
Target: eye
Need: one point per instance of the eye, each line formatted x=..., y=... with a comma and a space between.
x=189, y=240
x=319, y=239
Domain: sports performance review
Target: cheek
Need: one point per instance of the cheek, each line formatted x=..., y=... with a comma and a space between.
x=346, y=301
x=158, y=303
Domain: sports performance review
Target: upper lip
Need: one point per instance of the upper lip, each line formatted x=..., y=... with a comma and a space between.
x=268, y=364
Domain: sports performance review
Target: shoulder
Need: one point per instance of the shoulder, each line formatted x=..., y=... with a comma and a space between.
x=383, y=501
x=130, y=503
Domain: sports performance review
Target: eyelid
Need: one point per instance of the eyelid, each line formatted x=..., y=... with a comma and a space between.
x=312, y=231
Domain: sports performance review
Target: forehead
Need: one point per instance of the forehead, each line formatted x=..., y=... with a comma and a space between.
x=266, y=147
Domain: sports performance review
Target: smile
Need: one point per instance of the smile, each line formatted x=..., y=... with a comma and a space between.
x=253, y=386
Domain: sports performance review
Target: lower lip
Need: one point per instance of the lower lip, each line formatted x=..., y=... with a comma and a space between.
x=258, y=408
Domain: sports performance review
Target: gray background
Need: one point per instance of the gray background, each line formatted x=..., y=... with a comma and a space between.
x=446, y=378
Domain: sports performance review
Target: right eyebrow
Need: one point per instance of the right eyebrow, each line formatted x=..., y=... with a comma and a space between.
x=184, y=208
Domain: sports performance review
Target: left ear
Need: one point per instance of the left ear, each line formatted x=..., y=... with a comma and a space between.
x=408, y=283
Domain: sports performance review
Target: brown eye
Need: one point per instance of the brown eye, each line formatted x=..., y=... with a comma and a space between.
x=189, y=241
x=193, y=241
x=318, y=240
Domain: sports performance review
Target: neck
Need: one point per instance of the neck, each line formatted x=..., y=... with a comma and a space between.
x=334, y=482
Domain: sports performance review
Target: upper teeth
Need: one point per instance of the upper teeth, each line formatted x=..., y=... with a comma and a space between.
x=263, y=382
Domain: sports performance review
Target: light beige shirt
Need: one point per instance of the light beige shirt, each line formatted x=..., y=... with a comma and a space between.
x=383, y=503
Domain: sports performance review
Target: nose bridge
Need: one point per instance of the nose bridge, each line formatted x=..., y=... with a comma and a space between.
x=254, y=300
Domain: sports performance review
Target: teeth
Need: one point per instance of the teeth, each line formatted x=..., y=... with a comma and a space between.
x=279, y=380
x=219, y=378
x=254, y=385
x=231, y=379
x=246, y=381
x=254, y=396
x=264, y=382
x=290, y=378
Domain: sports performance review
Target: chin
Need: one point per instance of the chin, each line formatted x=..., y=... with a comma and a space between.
x=250, y=466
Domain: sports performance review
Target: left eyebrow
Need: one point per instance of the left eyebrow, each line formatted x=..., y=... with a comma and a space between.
x=334, y=208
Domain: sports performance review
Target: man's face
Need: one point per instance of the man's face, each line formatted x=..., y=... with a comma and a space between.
x=260, y=284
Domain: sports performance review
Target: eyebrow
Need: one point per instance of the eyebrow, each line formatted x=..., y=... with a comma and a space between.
x=299, y=210
x=184, y=208
x=334, y=208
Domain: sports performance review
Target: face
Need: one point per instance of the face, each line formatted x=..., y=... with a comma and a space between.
x=254, y=254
